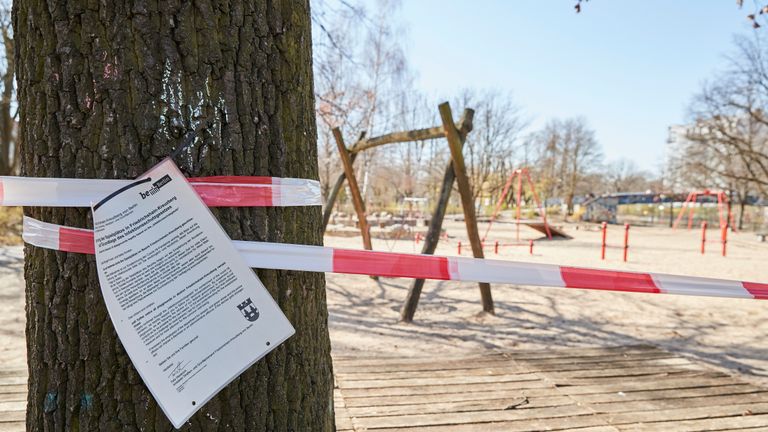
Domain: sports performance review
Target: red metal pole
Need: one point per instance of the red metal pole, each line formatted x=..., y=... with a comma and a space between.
x=626, y=241
x=725, y=238
x=459, y=247
x=530, y=247
x=703, y=236
x=496, y=247
x=605, y=233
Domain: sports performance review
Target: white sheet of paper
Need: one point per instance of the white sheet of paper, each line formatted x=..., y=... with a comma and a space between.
x=190, y=313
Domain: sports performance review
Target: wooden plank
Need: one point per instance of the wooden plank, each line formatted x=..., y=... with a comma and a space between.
x=569, y=355
x=577, y=363
x=14, y=426
x=748, y=422
x=622, y=372
x=455, y=381
x=13, y=406
x=691, y=378
x=357, y=199
x=434, y=132
x=456, y=396
x=582, y=423
x=537, y=353
x=343, y=419
x=13, y=416
x=372, y=423
x=741, y=388
x=436, y=389
x=13, y=388
x=467, y=201
x=685, y=402
x=405, y=364
x=614, y=364
x=588, y=360
x=11, y=380
x=517, y=403
x=696, y=413
x=10, y=397
x=660, y=383
x=495, y=369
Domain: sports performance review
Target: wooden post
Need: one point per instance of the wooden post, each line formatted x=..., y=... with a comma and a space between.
x=357, y=199
x=436, y=224
x=328, y=209
x=467, y=203
x=331, y=199
x=703, y=237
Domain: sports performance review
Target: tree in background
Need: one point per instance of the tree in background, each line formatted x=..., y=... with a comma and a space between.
x=361, y=77
x=623, y=175
x=566, y=153
x=9, y=150
x=495, y=139
x=106, y=90
x=725, y=145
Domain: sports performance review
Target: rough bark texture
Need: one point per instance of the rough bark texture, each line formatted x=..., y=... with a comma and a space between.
x=106, y=90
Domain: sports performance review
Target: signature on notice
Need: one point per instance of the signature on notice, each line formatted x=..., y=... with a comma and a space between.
x=179, y=372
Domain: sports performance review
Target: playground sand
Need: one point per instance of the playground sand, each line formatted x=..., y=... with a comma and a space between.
x=363, y=314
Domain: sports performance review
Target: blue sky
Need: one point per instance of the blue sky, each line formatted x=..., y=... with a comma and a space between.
x=628, y=67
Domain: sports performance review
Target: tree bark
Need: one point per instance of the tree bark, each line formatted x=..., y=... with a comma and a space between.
x=106, y=90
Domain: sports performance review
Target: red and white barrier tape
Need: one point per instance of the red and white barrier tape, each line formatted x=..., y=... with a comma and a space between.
x=221, y=191
x=324, y=259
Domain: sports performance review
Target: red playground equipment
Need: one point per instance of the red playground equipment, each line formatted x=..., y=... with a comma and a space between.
x=725, y=216
x=519, y=173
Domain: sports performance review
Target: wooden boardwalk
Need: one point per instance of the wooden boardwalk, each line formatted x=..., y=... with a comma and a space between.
x=13, y=399
x=635, y=388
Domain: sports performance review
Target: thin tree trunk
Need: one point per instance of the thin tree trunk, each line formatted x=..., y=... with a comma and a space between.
x=106, y=90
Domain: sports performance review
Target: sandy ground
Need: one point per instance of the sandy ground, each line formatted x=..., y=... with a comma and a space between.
x=726, y=333
x=363, y=313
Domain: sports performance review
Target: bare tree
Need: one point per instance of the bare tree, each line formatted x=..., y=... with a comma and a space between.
x=567, y=154
x=623, y=175
x=490, y=148
x=9, y=150
x=725, y=145
x=361, y=76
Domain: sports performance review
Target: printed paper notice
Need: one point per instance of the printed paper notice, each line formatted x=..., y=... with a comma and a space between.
x=190, y=313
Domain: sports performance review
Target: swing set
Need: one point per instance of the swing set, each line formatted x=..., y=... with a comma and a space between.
x=725, y=216
x=456, y=135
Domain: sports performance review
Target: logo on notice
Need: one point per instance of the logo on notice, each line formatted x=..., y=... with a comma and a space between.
x=248, y=310
x=164, y=180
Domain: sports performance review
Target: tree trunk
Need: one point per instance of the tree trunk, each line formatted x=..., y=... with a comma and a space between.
x=7, y=150
x=106, y=90
x=742, y=210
